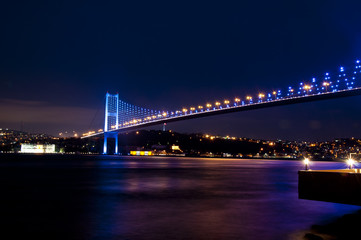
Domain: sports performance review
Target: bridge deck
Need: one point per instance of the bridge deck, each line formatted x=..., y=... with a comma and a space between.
x=239, y=108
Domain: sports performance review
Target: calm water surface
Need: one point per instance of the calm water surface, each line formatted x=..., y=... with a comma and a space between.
x=114, y=197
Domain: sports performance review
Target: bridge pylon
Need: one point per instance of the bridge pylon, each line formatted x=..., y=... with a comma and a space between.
x=111, y=120
x=108, y=135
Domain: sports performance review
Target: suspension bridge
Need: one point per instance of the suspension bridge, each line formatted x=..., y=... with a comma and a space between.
x=121, y=116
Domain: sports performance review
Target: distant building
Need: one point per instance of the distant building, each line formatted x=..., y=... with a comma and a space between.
x=141, y=153
x=37, y=148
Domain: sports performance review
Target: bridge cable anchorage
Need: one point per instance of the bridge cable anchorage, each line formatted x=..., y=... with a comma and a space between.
x=122, y=116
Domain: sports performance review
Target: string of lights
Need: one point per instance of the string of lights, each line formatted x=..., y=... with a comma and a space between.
x=120, y=114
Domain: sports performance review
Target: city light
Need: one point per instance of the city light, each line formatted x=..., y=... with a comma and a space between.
x=350, y=163
x=306, y=161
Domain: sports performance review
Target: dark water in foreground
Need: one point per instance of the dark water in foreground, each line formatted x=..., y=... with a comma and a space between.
x=111, y=197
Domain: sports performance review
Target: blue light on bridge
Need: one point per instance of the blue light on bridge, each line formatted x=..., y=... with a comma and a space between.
x=120, y=114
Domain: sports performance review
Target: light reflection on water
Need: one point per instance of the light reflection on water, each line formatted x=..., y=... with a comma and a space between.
x=112, y=197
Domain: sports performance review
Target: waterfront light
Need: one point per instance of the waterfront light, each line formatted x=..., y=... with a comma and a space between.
x=350, y=163
x=192, y=108
x=237, y=100
x=226, y=102
x=306, y=161
x=218, y=103
x=209, y=105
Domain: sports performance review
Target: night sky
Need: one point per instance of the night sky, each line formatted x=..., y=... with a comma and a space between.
x=59, y=58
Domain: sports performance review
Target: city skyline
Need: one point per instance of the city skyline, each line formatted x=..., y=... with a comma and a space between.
x=59, y=60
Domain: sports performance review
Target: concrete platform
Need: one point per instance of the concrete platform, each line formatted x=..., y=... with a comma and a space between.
x=339, y=186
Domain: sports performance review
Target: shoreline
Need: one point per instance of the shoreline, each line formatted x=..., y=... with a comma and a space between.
x=171, y=156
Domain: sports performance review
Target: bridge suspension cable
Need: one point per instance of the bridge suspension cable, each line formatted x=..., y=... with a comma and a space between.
x=122, y=115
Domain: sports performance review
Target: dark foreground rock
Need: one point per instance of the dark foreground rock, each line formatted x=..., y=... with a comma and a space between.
x=311, y=236
x=346, y=227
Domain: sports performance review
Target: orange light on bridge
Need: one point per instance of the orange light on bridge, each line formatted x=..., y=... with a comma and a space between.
x=184, y=110
x=261, y=95
x=226, y=102
x=307, y=87
x=326, y=84
x=192, y=108
x=249, y=98
x=209, y=105
x=218, y=103
x=237, y=100
x=200, y=107
x=164, y=114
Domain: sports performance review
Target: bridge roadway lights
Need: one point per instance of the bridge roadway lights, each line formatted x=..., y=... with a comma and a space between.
x=110, y=135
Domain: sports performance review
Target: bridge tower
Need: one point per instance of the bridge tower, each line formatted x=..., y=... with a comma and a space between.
x=111, y=120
